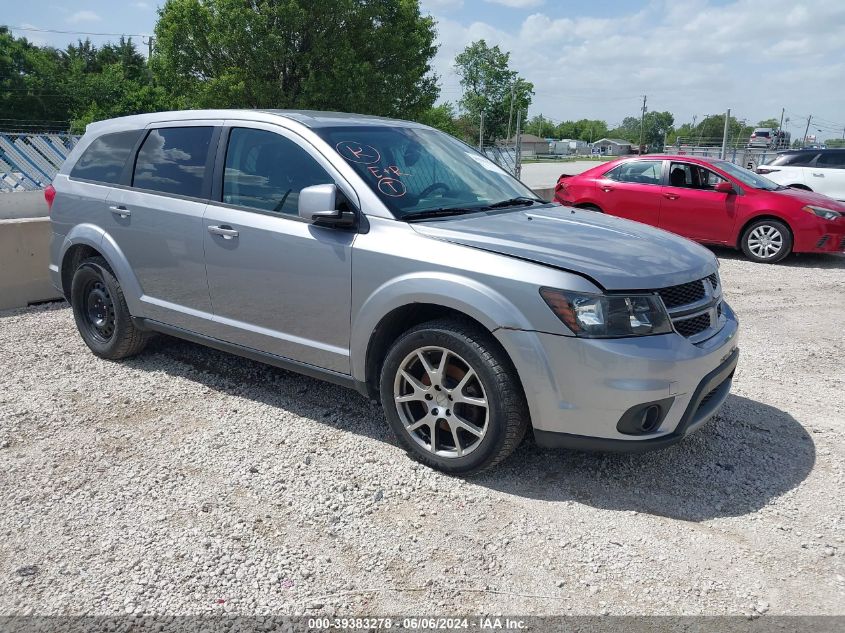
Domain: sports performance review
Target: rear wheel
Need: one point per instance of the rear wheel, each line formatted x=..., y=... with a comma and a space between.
x=100, y=312
x=766, y=241
x=452, y=397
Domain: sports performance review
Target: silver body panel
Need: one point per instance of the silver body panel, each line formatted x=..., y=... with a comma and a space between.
x=315, y=295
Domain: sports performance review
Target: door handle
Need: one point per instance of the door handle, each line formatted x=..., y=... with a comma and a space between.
x=120, y=210
x=224, y=230
x=671, y=196
x=607, y=189
x=817, y=175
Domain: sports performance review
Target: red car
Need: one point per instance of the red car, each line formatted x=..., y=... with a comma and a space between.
x=711, y=201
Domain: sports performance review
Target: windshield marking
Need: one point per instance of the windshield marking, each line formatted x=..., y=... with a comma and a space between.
x=356, y=152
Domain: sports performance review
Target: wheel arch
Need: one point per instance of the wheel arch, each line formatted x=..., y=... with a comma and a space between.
x=86, y=240
x=409, y=300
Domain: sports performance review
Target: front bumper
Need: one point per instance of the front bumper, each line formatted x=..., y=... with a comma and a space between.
x=820, y=236
x=579, y=389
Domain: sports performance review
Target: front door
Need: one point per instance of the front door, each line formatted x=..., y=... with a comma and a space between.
x=692, y=208
x=278, y=283
x=632, y=190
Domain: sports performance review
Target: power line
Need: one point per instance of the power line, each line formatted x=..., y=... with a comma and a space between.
x=37, y=30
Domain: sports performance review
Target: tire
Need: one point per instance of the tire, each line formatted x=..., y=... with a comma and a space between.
x=100, y=312
x=468, y=437
x=760, y=239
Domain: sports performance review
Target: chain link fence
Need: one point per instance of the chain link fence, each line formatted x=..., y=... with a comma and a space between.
x=29, y=162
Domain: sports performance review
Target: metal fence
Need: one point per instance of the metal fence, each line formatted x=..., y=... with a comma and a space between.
x=748, y=157
x=30, y=161
x=505, y=156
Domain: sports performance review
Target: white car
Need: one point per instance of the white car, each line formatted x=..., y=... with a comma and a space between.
x=819, y=170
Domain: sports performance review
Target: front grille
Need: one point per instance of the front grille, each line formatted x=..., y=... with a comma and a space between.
x=842, y=244
x=683, y=294
x=708, y=397
x=695, y=308
x=822, y=241
x=693, y=326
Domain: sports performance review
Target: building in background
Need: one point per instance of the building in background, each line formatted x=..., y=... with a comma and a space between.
x=612, y=147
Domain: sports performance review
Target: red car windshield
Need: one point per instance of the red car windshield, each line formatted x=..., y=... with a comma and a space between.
x=746, y=177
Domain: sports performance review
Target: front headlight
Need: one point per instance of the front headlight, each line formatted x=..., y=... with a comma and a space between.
x=608, y=316
x=827, y=214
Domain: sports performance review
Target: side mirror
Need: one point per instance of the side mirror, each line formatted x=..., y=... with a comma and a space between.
x=318, y=204
x=724, y=187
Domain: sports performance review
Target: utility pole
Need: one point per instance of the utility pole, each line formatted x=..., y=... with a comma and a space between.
x=725, y=135
x=149, y=44
x=517, y=164
x=481, y=133
x=806, y=131
x=510, y=117
x=782, y=112
x=642, y=124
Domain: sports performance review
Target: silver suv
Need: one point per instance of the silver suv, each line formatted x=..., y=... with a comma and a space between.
x=391, y=258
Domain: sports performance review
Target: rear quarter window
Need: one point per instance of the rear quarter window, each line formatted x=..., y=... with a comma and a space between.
x=835, y=160
x=105, y=157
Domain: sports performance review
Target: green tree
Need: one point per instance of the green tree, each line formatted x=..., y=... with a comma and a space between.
x=442, y=117
x=540, y=126
x=488, y=83
x=772, y=123
x=372, y=57
x=588, y=130
x=656, y=127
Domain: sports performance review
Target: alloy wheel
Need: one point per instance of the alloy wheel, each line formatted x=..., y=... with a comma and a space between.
x=765, y=241
x=441, y=402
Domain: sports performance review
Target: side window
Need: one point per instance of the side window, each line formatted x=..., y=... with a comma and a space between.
x=266, y=171
x=638, y=171
x=172, y=160
x=692, y=176
x=104, y=159
x=835, y=160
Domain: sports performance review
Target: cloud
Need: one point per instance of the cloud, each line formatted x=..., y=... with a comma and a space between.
x=518, y=4
x=83, y=16
x=141, y=5
x=691, y=57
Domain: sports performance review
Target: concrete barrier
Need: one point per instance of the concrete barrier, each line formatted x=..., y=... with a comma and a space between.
x=22, y=204
x=24, y=257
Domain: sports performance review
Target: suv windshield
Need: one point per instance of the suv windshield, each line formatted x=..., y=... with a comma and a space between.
x=421, y=172
x=749, y=178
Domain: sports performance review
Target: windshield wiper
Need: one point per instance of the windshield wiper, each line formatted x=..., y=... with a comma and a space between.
x=513, y=202
x=441, y=212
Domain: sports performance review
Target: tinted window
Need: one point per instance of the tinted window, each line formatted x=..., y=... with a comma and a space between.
x=267, y=171
x=642, y=171
x=794, y=160
x=172, y=160
x=831, y=159
x=104, y=159
x=692, y=176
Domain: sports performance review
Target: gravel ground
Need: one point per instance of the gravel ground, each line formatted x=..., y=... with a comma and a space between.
x=189, y=481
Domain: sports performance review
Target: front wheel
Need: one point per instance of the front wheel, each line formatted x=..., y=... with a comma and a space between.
x=452, y=397
x=766, y=241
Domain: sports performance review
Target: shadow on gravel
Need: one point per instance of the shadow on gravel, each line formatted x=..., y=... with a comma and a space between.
x=749, y=454
x=799, y=260
x=734, y=465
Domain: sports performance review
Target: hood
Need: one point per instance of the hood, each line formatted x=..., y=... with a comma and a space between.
x=802, y=196
x=617, y=254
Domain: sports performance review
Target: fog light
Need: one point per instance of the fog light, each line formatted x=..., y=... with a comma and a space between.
x=644, y=418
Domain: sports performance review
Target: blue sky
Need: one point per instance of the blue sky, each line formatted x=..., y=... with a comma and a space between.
x=596, y=59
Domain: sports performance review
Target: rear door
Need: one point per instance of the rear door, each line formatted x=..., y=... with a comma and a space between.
x=278, y=283
x=632, y=190
x=827, y=176
x=157, y=222
x=692, y=208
